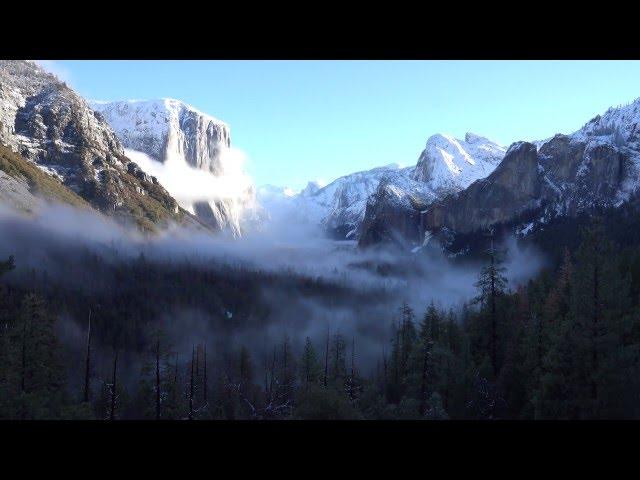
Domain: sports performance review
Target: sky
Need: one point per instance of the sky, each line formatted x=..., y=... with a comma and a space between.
x=318, y=120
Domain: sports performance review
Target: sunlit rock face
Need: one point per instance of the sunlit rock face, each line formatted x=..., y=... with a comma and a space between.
x=172, y=132
x=446, y=166
x=596, y=166
x=48, y=123
x=168, y=128
x=375, y=204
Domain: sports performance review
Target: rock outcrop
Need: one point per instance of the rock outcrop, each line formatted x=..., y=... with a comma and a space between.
x=48, y=123
x=380, y=204
x=170, y=131
x=446, y=166
x=393, y=214
x=597, y=166
x=168, y=128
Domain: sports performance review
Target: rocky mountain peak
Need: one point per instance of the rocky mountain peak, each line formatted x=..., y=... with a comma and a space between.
x=178, y=135
x=448, y=164
x=598, y=165
x=311, y=188
x=48, y=123
x=470, y=137
x=618, y=125
x=168, y=129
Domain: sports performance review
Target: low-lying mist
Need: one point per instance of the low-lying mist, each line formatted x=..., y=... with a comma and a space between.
x=250, y=291
x=188, y=184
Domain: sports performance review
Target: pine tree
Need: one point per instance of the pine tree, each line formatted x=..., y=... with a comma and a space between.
x=430, y=324
x=406, y=340
x=7, y=265
x=426, y=346
x=310, y=367
x=600, y=302
x=245, y=368
x=156, y=376
x=491, y=284
x=589, y=301
x=41, y=373
x=338, y=360
x=353, y=383
x=288, y=375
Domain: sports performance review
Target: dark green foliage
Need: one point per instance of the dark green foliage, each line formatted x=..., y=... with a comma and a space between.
x=33, y=376
x=564, y=346
x=317, y=403
x=337, y=359
x=7, y=265
x=310, y=369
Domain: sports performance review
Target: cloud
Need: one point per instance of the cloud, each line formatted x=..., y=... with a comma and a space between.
x=189, y=185
x=360, y=297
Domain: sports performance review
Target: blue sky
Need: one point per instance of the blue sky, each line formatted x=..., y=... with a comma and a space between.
x=305, y=120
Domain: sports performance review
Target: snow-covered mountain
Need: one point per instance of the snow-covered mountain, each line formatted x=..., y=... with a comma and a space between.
x=598, y=165
x=339, y=206
x=446, y=165
x=49, y=124
x=184, y=139
x=166, y=128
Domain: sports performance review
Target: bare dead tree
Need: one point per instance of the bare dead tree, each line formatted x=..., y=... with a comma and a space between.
x=278, y=404
x=87, y=372
x=423, y=386
x=23, y=369
x=284, y=360
x=353, y=356
x=273, y=372
x=353, y=370
x=193, y=354
x=204, y=385
x=396, y=372
x=326, y=359
x=384, y=368
x=158, y=376
x=336, y=370
x=175, y=373
x=266, y=376
x=197, y=360
x=114, y=391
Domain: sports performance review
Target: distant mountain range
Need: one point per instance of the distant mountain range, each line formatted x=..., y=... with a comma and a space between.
x=597, y=166
x=57, y=146
x=458, y=187
x=353, y=206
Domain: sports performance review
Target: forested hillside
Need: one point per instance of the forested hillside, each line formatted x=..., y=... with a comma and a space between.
x=564, y=346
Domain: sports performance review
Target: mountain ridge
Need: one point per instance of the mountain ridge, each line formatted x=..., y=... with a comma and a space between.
x=181, y=136
x=596, y=166
x=50, y=125
x=341, y=206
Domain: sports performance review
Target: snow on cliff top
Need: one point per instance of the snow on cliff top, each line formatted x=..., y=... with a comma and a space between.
x=153, y=116
x=448, y=163
x=619, y=126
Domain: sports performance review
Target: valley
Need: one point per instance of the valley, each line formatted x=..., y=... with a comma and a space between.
x=135, y=245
